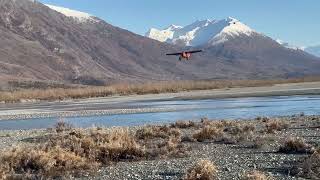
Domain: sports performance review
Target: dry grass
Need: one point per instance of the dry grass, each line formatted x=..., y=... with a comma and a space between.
x=228, y=132
x=38, y=163
x=62, y=126
x=104, y=147
x=203, y=170
x=295, y=145
x=184, y=124
x=256, y=175
x=236, y=133
x=261, y=142
x=161, y=141
x=128, y=89
x=276, y=125
x=311, y=166
x=150, y=132
x=68, y=153
x=208, y=133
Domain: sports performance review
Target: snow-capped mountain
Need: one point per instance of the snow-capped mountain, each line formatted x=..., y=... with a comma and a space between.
x=77, y=15
x=315, y=50
x=288, y=45
x=59, y=45
x=202, y=32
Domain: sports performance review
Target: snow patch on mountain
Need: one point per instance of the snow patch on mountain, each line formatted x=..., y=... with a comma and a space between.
x=289, y=46
x=80, y=16
x=160, y=35
x=315, y=50
x=201, y=32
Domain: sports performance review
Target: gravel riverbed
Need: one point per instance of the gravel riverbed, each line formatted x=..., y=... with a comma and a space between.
x=232, y=160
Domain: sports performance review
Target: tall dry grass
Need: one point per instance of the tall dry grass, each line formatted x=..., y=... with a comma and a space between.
x=129, y=89
x=311, y=166
x=75, y=152
x=203, y=170
x=40, y=163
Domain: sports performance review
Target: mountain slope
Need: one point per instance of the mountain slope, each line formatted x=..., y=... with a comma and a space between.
x=240, y=50
x=44, y=43
x=201, y=32
x=315, y=50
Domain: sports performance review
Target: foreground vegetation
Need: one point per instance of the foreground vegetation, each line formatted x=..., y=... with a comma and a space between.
x=69, y=152
x=130, y=89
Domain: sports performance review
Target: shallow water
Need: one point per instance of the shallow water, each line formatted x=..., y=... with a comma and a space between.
x=235, y=108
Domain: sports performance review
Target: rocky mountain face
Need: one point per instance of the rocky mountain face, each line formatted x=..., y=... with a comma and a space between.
x=49, y=43
x=40, y=43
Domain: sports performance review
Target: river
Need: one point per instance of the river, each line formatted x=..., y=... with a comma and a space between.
x=230, y=108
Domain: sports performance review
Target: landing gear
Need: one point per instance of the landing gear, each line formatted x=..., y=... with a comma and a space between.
x=180, y=58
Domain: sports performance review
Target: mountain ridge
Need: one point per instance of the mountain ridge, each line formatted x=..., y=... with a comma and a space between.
x=38, y=43
x=201, y=32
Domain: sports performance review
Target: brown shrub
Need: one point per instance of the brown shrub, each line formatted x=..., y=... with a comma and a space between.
x=256, y=175
x=150, y=132
x=228, y=132
x=205, y=121
x=184, y=124
x=104, y=147
x=171, y=147
x=260, y=142
x=62, y=126
x=276, y=125
x=76, y=151
x=311, y=166
x=43, y=163
x=235, y=132
x=204, y=170
x=208, y=133
x=295, y=146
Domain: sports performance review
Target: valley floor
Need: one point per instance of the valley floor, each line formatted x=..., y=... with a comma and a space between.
x=232, y=158
x=119, y=104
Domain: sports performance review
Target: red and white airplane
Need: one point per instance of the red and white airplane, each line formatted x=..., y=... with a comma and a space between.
x=184, y=55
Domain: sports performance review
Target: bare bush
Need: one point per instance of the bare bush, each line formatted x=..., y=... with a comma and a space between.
x=104, y=147
x=40, y=163
x=62, y=126
x=204, y=170
x=150, y=132
x=228, y=132
x=184, y=124
x=256, y=175
x=296, y=145
x=276, y=125
x=311, y=166
x=208, y=133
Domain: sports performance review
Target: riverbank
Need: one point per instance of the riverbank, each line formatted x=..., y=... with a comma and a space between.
x=126, y=104
x=240, y=147
x=126, y=89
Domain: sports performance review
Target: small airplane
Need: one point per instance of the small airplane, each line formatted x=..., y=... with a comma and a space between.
x=184, y=55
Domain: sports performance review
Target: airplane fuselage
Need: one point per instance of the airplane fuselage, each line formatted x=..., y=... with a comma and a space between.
x=185, y=55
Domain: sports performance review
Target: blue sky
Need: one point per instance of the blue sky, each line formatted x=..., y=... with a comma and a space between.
x=294, y=21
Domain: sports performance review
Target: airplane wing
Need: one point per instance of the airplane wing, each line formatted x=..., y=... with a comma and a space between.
x=197, y=51
x=173, y=54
